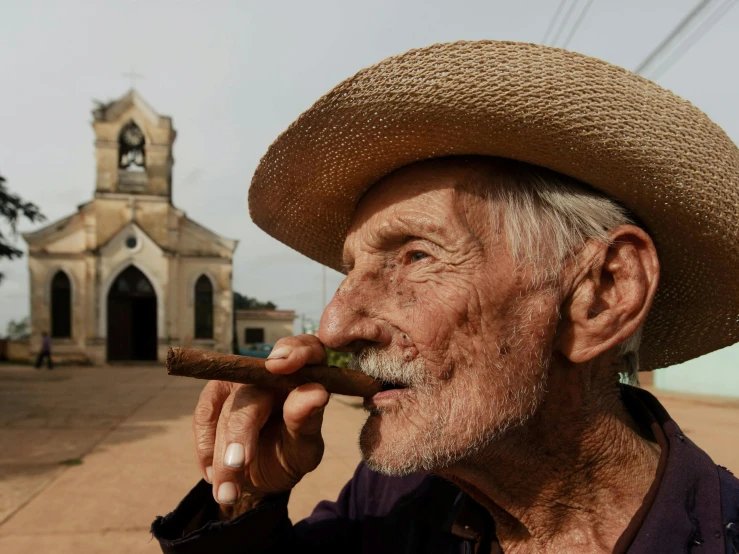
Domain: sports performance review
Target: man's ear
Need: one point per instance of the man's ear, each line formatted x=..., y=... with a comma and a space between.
x=611, y=294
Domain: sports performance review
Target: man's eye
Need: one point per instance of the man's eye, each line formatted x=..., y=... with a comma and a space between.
x=417, y=256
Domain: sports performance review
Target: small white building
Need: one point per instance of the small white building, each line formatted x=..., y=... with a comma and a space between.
x=263, y=326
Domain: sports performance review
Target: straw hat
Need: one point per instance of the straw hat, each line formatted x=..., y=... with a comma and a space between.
x=635, y=141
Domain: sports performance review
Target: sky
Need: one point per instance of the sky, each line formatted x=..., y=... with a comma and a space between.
x=233, y=75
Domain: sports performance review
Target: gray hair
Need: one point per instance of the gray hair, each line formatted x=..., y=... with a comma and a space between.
x=547, y=218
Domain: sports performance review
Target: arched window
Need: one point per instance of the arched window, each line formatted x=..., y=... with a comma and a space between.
x=61, y=306
x=203, y=308
x=131, y=153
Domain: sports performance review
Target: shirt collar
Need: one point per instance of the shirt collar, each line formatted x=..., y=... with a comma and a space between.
x=680, y=510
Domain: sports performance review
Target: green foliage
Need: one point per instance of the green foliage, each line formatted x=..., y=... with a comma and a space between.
x=338, y=359
x=101, y=107
x=243, y=302
x=12, y=208
x=18, y=329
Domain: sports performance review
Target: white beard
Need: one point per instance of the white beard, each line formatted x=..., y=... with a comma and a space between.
x=439, y=423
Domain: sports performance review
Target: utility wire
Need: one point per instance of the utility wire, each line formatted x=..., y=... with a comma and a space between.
x=565, y=21
x=672, y=36
x=583, y=13
x=694, y=37
x=553, y=21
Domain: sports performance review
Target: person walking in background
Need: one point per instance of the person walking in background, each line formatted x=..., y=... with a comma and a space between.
x=45, y=352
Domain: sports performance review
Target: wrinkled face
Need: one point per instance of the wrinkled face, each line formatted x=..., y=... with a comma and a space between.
x=433, y=305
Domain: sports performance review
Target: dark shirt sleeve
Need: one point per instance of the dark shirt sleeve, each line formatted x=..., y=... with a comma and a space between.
x=193, y=527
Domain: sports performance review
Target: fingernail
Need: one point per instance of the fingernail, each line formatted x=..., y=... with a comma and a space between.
x=234, y=455
x=227, y=493
x=281, y=352
x=209, y=474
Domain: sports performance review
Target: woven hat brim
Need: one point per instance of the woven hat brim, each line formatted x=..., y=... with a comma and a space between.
x=660, y=156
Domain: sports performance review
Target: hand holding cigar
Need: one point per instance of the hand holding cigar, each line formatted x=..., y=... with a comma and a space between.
x=201, y=364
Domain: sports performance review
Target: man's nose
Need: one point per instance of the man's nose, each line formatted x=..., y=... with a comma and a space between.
x=350, y=321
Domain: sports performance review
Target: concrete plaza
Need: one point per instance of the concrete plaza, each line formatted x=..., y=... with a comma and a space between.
x=89, y=456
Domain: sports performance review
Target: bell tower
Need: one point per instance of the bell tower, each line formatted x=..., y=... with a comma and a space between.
x=133, y=148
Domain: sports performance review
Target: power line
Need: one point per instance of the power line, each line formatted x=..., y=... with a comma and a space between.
x=672, y=36
x=553, y=20
x=694, y=37
x=583, y=13
x=565, y=21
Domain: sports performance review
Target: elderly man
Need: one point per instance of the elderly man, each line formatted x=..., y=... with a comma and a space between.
x=500, y=301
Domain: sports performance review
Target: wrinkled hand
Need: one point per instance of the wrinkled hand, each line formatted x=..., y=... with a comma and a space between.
x=252, y=441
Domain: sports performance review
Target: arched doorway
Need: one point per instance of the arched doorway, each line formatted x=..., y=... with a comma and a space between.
x=132, y=317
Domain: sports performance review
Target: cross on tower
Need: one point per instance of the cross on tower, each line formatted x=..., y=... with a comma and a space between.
x=133, y=76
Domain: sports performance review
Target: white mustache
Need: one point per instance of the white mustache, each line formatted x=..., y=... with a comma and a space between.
x=390, y=368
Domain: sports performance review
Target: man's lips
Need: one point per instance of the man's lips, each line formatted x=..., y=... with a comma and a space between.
x=390, y=392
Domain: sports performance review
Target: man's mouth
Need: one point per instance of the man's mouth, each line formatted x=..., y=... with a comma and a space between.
x=390, y=393
x=389, y=385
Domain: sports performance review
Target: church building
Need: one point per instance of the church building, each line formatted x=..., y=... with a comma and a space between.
x=129, y=274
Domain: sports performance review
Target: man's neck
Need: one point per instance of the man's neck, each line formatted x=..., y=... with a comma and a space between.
x=570, y=479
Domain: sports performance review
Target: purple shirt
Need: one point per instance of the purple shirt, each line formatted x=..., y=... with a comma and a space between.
x=46, y=344
x=692, y=506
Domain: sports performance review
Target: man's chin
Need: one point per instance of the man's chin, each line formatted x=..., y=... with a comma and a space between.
x=386, y=450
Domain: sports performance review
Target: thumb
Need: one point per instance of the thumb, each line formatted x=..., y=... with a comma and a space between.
x=303, y=411
x=302, y=441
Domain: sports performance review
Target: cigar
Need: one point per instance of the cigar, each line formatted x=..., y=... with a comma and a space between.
x=201, y=364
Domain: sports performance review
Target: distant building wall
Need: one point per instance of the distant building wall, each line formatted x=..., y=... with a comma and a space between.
x=218, y=272
x=275, y=324
x=715, y=374
x=17, y=350
x=42, y=269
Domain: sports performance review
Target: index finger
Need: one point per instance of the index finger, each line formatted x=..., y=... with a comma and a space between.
x=292, y=353
x=205, y=423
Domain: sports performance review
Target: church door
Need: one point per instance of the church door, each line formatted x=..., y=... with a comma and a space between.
x=132, y=317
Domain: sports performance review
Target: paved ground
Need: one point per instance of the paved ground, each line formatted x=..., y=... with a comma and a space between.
x=130, y=429
x=96, y=453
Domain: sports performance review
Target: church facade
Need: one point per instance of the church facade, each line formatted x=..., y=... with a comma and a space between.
x=129, y=274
